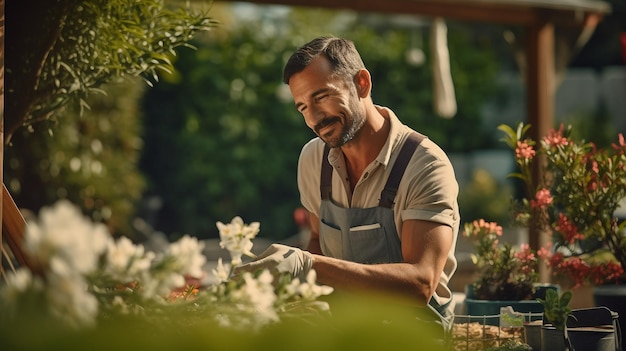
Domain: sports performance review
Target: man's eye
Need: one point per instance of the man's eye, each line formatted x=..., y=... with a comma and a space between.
x=322, y=97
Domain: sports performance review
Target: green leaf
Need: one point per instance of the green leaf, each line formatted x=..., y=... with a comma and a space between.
x=510, y=137
x=565, y=298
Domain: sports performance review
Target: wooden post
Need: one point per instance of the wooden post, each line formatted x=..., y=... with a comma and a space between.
x=1, y=115
x=13, y=228
x=540, y=87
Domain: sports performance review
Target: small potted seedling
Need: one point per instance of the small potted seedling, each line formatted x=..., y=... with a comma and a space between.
x=555, y=312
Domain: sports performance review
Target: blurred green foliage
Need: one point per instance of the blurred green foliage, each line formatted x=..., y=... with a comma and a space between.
x=382, y=325
x=88, y=158
x=485, y=197
x=220, y=142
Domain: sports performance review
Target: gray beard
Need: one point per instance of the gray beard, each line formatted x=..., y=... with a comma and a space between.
x=348, y=133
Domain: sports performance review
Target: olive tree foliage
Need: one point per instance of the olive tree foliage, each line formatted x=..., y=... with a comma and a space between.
x=64, y=50
x=74, y=74
x=222, y=136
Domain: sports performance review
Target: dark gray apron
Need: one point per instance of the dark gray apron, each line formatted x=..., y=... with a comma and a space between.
x=368, y=235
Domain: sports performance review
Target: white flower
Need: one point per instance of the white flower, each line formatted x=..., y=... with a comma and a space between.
x=68, y=295
x=310, y=290
x=168, y=269
x=19, y=283
x=21, y=280
x=253, y=303
x=221, y=272
x=161, y=283
x=237, y=238
x=291, y=289
x=126, y=261
x=64, y=232
x=72, y=252
x=260, y=293
x=188, y=257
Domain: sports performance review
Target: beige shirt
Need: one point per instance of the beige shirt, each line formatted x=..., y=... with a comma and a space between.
x=428, y=191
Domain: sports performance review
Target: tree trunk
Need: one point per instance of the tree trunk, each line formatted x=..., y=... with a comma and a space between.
x=33, y=27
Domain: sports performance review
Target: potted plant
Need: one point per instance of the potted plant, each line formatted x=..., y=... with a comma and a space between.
x=575, y=200
x=556, y=310
x=507, y=276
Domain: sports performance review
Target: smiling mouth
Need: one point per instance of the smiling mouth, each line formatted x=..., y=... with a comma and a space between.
x=325, y=123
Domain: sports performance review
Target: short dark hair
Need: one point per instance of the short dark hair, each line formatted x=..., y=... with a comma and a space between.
x=341, y=53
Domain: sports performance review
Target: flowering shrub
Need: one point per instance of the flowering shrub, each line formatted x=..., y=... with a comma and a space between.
x=575, y=200
x=505, y=274
x=82, y=276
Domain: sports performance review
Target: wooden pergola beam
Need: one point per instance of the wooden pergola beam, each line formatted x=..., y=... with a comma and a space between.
x=514, y=12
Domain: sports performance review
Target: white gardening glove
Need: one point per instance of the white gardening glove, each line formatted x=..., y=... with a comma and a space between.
x=280, y=259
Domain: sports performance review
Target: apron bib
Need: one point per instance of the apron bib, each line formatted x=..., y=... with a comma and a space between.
x=369, y=235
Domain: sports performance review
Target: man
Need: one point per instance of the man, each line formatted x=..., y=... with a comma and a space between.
x=384, y=217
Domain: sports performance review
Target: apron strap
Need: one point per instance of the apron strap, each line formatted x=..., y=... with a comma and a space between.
x=327, y=176
x=391, y=188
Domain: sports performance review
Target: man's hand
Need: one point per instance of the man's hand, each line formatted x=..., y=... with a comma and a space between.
x=280, y=259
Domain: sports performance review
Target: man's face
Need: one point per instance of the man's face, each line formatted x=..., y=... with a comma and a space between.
x=329, y=104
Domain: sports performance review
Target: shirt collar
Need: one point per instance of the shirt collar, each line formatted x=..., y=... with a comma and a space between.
x=394, y=137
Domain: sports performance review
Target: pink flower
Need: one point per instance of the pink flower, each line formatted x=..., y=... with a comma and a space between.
x=545, y=252
x=480, y=229
x=524, y=151
x=528, y=259
x=542, y=199
x=556, y=138
x=525, y=254
x=622, y=143
x=489, y=227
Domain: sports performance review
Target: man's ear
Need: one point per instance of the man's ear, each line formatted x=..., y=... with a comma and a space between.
x=363, y=83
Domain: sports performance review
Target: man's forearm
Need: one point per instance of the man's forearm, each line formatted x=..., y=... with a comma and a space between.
x=400, y=280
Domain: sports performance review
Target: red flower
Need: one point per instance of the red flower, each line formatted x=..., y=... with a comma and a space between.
x=568, y=229
x=574, y=199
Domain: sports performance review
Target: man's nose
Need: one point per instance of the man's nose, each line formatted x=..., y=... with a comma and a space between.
x=314, y=115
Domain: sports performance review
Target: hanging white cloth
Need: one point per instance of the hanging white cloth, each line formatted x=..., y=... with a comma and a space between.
x=444, y=99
